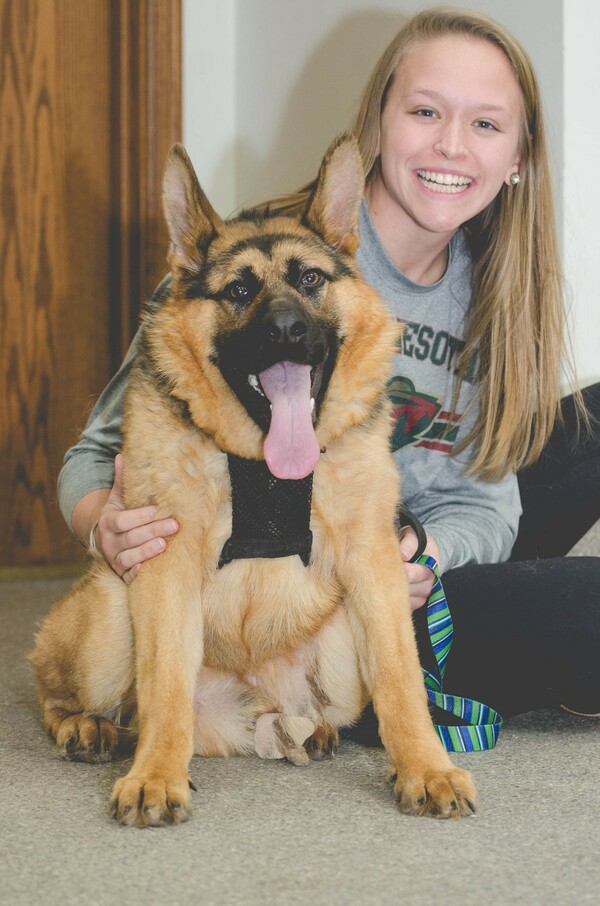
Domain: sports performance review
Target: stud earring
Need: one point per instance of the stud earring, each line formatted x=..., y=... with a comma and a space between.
x=515, y=179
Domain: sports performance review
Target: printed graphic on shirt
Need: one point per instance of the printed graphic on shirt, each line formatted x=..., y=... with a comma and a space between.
x=419, y=418
x=423, y=342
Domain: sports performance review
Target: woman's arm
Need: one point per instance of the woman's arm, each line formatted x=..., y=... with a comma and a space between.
x=477, y=527
x=471, y=520
x=89, y=467
x=90, y=486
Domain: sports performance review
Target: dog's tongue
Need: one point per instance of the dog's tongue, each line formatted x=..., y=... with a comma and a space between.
x=291, y=448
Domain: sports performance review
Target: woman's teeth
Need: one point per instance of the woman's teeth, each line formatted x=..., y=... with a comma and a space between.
x=444, y=182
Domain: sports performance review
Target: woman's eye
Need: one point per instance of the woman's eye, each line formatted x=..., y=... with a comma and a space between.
x=311, y=279
x=425, y=111
x=485, y=124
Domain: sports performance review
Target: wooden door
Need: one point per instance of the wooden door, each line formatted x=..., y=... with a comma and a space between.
x=90, y=101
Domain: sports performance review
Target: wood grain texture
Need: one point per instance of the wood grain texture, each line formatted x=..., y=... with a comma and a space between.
x=81, y=239
x=147, y=115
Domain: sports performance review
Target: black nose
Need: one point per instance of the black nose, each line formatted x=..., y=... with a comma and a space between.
x=285, y=323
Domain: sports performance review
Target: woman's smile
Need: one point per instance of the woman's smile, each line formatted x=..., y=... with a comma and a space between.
x=444, y=183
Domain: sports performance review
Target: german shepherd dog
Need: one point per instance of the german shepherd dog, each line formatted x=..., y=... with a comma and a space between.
x=266, y=353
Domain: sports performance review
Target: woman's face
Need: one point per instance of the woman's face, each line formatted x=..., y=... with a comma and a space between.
x=449, y=134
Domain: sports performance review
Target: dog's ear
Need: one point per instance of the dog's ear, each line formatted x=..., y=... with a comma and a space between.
x=334, y=206
x=191, y=220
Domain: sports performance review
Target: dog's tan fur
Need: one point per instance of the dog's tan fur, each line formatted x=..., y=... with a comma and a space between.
x=263, y=655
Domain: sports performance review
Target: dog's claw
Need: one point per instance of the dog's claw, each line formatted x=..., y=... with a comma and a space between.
x=437, y=794
x=86, y=737
x=150, y=802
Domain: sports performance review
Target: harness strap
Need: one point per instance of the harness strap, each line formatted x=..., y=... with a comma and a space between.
x=270, y=516
x=482, y=723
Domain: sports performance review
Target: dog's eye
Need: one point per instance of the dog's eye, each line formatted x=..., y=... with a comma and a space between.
x=311, y=279
x=238, y=292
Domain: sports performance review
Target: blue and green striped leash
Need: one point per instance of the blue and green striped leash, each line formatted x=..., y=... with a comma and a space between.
x=482, y=724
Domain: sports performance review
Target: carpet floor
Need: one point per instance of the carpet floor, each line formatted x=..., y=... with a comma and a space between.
x=270, y=833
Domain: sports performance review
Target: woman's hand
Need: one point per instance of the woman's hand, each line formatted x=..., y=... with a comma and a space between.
x=127, y=538
x=420, y=578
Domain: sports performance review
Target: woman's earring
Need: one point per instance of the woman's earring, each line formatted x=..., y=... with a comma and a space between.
x=515, y=179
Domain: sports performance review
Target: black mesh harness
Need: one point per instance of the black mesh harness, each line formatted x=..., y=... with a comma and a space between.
x=270, y=516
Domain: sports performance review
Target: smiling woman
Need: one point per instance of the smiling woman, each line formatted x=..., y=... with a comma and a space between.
x=449, y=138
x=473, y=91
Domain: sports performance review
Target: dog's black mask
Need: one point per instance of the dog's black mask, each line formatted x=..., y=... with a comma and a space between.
x=282, y=330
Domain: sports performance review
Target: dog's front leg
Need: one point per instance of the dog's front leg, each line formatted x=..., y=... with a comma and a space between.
x=427, y=782
x=165, y=609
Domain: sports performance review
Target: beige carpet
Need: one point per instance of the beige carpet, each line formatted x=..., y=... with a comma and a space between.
x=269, y=833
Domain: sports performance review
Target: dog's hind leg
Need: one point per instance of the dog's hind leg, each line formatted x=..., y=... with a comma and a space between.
x=237, y=717
x=83, y=662
x=312, y=694
x=336, y=685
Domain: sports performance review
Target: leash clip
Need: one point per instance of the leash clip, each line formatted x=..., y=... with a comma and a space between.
x=406, y=519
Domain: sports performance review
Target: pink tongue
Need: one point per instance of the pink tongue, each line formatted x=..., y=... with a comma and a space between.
x=291, y=448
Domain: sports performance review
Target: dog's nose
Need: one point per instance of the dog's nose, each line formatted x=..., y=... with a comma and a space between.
x=285, y=324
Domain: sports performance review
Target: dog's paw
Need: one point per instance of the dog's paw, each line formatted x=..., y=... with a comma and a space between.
x=150, y=801
x=437, y=794
x=323, y=743
x=87, y=738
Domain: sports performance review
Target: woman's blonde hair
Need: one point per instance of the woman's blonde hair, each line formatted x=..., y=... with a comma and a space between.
x=517, y=321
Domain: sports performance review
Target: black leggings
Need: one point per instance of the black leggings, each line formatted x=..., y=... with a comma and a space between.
x=527, y=632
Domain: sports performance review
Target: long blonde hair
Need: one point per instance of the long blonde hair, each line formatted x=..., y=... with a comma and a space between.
x=517, y=320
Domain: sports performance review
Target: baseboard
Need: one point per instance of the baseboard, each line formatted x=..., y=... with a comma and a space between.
x=49, y=571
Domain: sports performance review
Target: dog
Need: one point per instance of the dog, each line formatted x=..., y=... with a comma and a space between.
x=257, y=415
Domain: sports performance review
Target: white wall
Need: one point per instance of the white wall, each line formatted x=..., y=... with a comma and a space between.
x=210, y=79
x=581, y=198
x=268, y=83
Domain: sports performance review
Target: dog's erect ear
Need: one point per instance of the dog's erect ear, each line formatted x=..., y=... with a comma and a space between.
x=334, y=206
x=191, y=220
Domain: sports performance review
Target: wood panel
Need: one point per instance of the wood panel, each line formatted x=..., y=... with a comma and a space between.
x=89, y=104
x=147, y=114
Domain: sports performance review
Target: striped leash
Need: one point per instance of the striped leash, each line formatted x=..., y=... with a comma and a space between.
x=482, y=723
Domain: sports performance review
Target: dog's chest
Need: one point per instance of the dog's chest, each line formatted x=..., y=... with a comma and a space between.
x=255, y=610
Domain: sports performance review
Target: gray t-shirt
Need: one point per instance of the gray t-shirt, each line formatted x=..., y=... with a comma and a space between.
x=472, y=521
